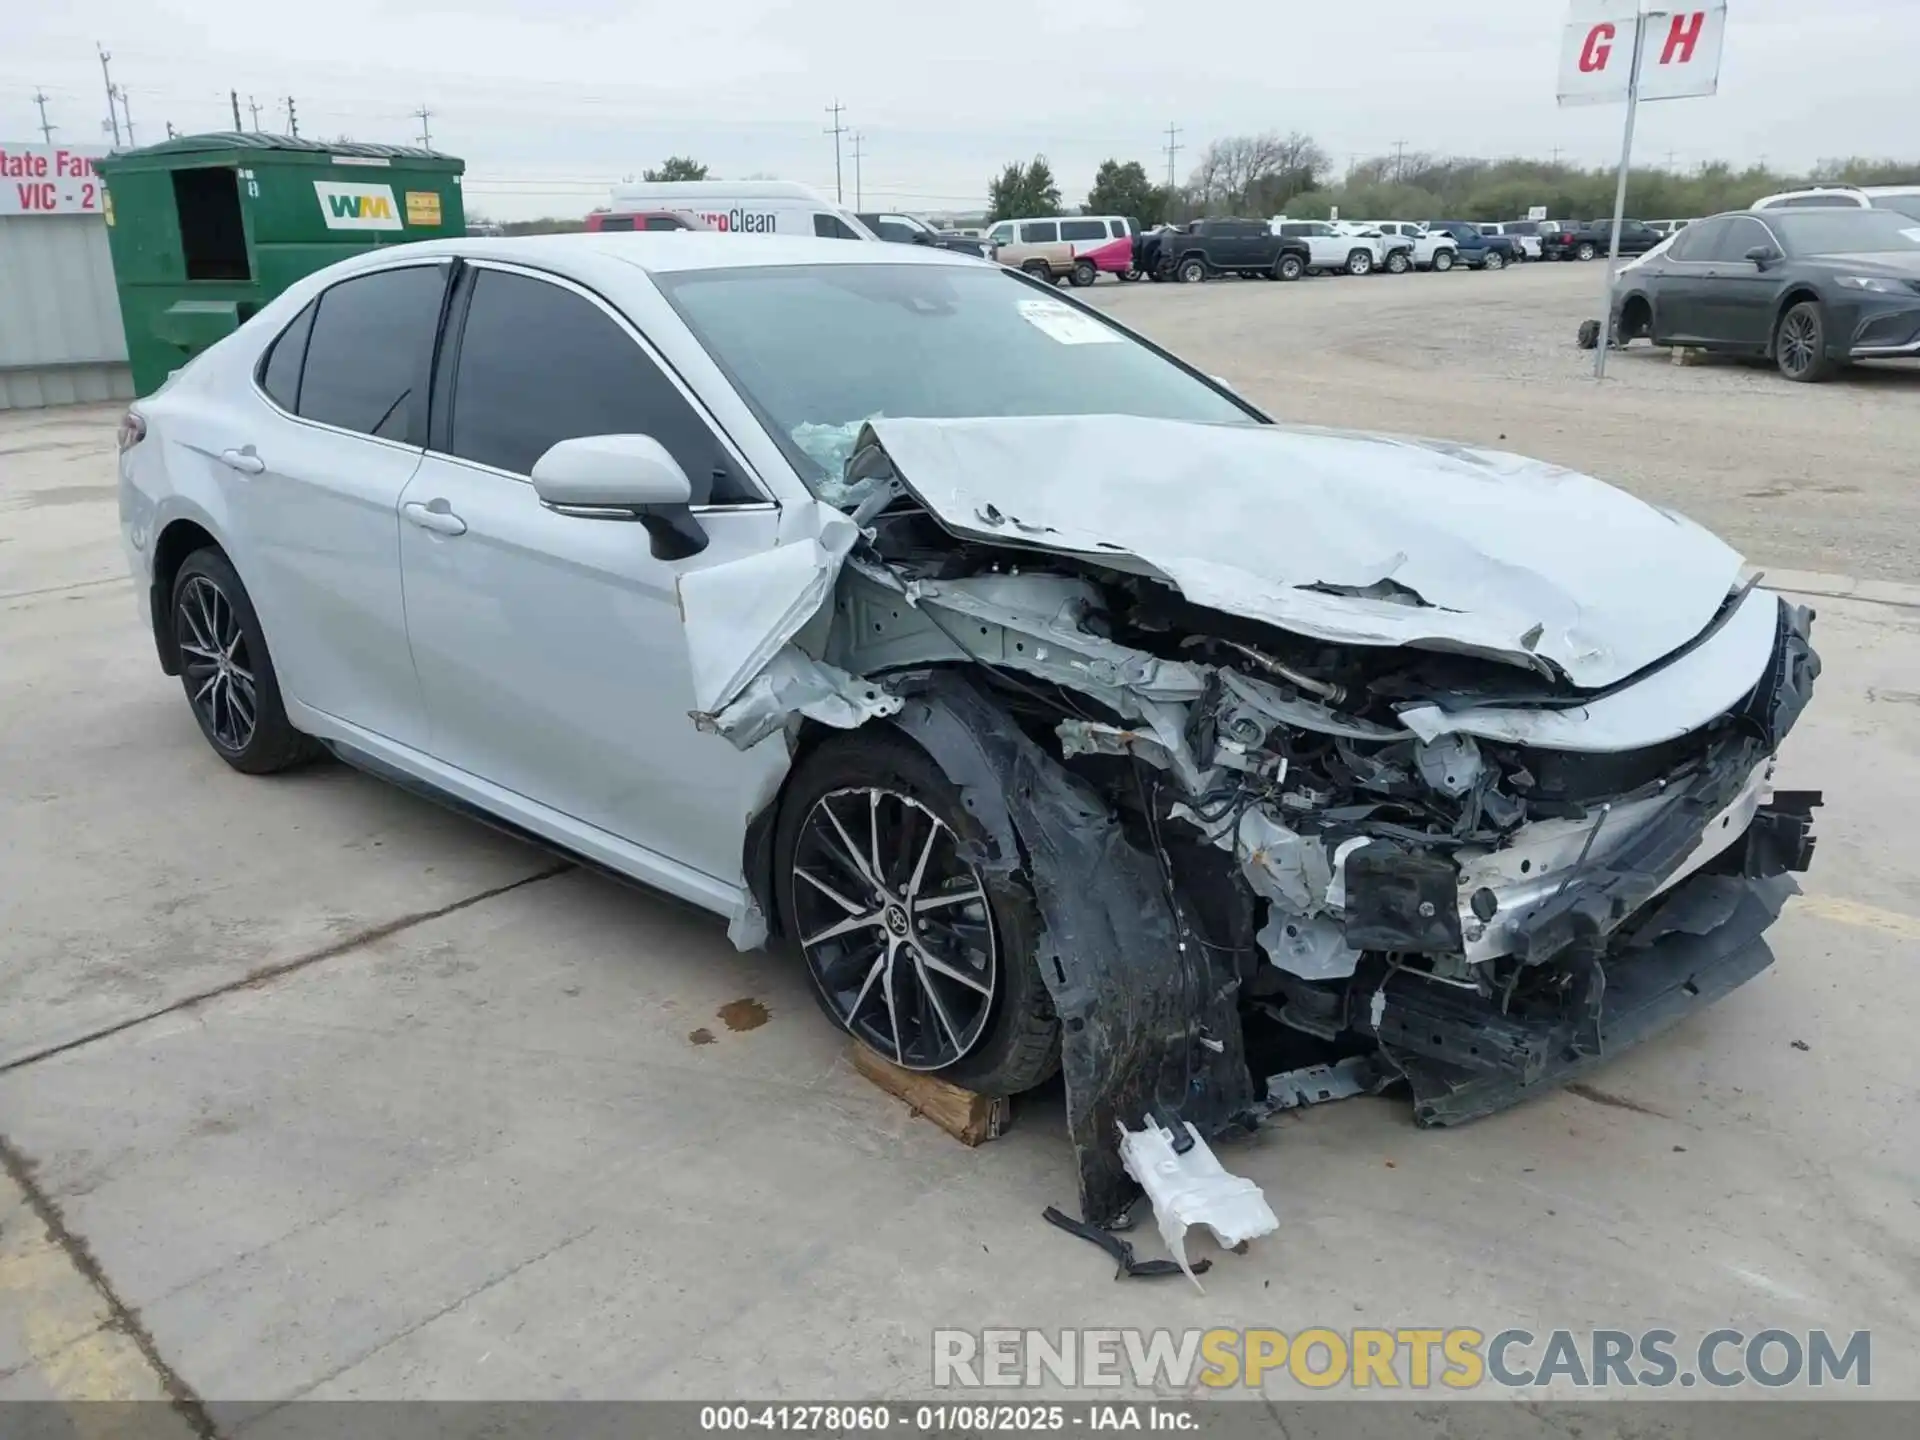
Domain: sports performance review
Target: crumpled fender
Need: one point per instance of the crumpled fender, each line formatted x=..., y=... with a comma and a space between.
x=1149, y=1017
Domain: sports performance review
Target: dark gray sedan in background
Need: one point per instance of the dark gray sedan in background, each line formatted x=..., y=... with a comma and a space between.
x=1809, y=290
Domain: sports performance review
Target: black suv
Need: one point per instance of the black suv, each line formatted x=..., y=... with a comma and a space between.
x=1206, y=248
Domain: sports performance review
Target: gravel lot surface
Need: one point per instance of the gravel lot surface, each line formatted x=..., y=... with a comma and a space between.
x=1811, y=477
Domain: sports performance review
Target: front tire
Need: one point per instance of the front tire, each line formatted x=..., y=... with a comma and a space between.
x=1800, y=344
x=911, y=948
x=1039, y=270
x=1084, y=273
x=1398, y=263
x=1360, y=262
x=227, y=672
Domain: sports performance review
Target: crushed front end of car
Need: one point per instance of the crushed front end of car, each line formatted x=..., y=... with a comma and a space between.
x=1312, y=748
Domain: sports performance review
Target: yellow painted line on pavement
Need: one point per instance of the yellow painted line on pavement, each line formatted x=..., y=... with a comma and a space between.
x=1852, y=912
x=61, y=1321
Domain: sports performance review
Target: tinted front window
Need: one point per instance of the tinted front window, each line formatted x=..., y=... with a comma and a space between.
x=1840, y=232
x=1040, y=232
x=1741, y=234
x=1083, y=230
x=280, y=376
x=832, y=227
x=666, y=222
x=371, y=345
x=616, y=222
x=817, y=351
x=539, y=364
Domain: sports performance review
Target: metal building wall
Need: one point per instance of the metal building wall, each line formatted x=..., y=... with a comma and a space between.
x=60, y=336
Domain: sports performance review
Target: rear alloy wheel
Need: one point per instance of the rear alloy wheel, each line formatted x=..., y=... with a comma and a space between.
x=1360, y=262
x=1496, y=260
x=1085, y=272
x=911, y=947
x=226, y=671
x=1443, y=261
x=1800, y=345
x=1398, y=263
x=1191, y=272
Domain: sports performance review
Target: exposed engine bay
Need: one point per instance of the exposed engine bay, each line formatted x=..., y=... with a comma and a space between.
x=1387, y=834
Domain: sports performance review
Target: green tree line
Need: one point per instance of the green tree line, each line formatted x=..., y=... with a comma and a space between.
x=1272, y=174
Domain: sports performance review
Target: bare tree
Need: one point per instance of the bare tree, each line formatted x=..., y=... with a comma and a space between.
x=1247, y=173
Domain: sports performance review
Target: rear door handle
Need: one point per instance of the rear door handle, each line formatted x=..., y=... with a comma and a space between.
x=245, y=461
x=435, y=517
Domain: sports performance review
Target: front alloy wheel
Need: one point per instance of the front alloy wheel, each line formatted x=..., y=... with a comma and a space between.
x=216, y=664
x=1800, y=348
x=895, y=926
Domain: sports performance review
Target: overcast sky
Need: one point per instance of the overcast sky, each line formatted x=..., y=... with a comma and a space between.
x=549, y=102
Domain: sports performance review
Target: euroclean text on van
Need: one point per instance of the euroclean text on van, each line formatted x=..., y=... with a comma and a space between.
x=745, y=222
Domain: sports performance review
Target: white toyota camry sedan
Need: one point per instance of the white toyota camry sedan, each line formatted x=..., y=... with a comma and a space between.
x=1057, y=707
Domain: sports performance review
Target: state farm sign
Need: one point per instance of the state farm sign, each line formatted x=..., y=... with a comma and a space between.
x=1679, y=50
x=49, y=180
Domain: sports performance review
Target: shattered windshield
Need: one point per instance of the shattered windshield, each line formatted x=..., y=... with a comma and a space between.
x=819, y=350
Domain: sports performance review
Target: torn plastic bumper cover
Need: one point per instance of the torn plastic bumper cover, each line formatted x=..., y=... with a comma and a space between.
x=1149, y=1019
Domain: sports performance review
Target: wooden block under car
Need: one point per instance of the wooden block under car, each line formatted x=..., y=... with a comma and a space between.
x=1684, y=356
x=970, y=1117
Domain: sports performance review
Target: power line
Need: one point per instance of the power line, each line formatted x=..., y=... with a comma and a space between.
x=1173, y=148
x=426, y=135
x=113, y=115
x=836, y=130
x=858, y=193
x=46, y=130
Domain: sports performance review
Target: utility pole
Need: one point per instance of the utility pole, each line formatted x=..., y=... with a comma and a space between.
x=46, y=130
x=293, y=119
x=836, y=130
x=426, y=135
x=859, y=193
x=234, y=95
x=171, y=132
x=1173, y=148
x=1670, y=155
x=113, y=115
x=254, y=106
x=1556, y=155
x=1399, y=160
x=126, y=113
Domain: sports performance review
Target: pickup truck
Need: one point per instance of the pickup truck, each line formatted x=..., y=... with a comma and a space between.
x=1477, y=251
x=1208, y=248
x=1590, y=239
x=1424, y=251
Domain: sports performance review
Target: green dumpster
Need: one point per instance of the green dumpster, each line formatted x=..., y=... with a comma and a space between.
x=206, y=229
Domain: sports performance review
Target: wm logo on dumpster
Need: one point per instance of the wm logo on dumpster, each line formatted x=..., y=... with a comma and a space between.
x=357, y=207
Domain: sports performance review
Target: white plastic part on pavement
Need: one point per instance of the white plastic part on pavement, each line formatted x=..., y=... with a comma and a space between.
x=1193, y=1189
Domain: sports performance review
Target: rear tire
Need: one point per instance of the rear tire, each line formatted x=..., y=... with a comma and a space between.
x=1586, y=250
x=1442, y=261
x=1398, y=263
x=1495, y=260
x=226, y=671
x=1360, y=262
x=1009, y=1040
x=1083, y=274
x=1191, y=272
x=1289, y=267
x=1039, y=270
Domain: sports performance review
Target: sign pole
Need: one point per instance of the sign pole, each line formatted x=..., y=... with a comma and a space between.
x=1620, y=195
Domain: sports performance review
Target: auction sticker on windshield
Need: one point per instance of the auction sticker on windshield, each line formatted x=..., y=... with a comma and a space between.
x=1066, y=324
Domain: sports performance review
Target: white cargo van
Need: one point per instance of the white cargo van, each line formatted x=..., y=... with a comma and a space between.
x=748, y=207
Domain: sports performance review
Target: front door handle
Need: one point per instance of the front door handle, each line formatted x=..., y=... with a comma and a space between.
x=245, y=461
x=434, y=516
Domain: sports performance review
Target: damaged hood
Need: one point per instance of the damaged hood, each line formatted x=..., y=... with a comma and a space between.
x=1343, y=536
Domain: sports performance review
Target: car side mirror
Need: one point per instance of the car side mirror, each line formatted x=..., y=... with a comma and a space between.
x=622, y=477
x=1763, y=255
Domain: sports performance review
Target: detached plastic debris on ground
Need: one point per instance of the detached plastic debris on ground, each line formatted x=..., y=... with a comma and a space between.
x=1188, y=1186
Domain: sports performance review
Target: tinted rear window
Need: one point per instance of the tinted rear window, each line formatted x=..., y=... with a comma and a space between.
x=1083, y=230
x=371, y=345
